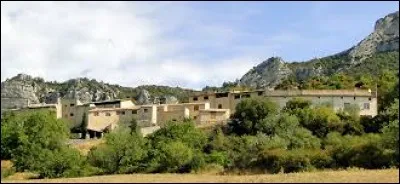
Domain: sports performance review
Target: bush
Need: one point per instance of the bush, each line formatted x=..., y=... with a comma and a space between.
x=278, y=160
x=28, y=137
x=65, y=162
x=122, y=152
x=359, y=151
x=185, y=132
x=175, y=157
x=323, y=121
x=250, y=113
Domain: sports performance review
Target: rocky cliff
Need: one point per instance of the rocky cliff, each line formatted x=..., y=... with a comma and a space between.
x=384, y=38
x=21, y=90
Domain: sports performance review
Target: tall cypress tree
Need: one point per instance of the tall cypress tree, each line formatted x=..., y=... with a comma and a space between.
x=84, y=125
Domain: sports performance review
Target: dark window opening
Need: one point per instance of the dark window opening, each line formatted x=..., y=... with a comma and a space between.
x=205, y=97
x=369, y=98
x=219, y=106
x=246, y=96
x=237, y=96
x=196, y=107
x=146, y=110
x=260, y=93
x=108, y=114
x=195, y=99
x=195, y=117
x=354, y=98
x=72, y=114
x=123, y=112
x=71, y=105
x=134, y=112
x=341, y=97
x=221, y=95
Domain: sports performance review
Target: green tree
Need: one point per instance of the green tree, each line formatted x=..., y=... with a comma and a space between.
x=122, y=152
x=84, y=126
x=250, y=113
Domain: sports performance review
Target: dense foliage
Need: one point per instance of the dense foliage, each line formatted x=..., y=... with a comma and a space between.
x=260, y=138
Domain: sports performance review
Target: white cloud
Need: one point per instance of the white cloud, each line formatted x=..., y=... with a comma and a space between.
x=127, y=43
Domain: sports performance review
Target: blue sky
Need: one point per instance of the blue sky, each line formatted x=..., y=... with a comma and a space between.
x=187, y=44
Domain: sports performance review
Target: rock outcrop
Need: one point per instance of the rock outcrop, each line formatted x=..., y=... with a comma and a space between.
x=268, y=73
x=384, y=38
x=143, y=97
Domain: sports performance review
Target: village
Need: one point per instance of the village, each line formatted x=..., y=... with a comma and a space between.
x=205, y=108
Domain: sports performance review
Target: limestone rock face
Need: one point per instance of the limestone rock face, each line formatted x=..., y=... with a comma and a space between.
x=18, y=92
x=385, y=37
x=143, y=97
x=268, y=73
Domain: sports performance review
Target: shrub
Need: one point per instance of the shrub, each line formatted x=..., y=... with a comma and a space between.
x=122, y=152
x=279, y=160
x=65, y=162
x=28, y=137
x=360, y=151
x=185, y=132
x=249, y=113
x=175, y=157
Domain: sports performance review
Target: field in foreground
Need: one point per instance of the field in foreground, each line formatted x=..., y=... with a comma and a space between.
x=352, y=176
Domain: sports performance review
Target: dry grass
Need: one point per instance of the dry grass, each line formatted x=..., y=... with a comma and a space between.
x=351, y=176
x=85, y=147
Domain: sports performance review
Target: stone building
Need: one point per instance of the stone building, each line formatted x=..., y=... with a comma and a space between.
x=206, y=108
x=339, y=99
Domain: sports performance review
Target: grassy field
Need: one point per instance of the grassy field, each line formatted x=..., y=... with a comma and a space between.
x=351, y=176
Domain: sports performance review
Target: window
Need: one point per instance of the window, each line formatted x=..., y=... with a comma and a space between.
x=237, y=96
x=194, y=117
x=260, y=93
x=195, y=99
x=196, y=107
x=341, y=97
x=146, y=110
x=219, y=106
x=346, y=105
x=123, y=112
x=71, y=105
x=354, y=98
x=366, y=106
x=134, y=111
x=205, y=97
x=319, y=97
x=369, y=98
x=220, y=95
x=72, y=114
x=108, y=114
x=213, y=115
x=96, y=114
x=246, y=96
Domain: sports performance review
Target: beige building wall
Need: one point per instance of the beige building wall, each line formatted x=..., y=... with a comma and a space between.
x=212, y=116
x=100, y=118
x=366, y=100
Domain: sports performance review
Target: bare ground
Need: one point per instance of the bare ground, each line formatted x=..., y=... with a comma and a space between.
x=348, y=176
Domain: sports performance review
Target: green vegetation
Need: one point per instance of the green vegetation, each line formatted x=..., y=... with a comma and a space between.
x=300, y=137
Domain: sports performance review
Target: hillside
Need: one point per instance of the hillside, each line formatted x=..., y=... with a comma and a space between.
x=377, y=52
x=16, y=91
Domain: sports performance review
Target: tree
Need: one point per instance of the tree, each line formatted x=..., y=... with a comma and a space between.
x=250, y=113
x=323, y=120
x=84, y=126
x=133, y=125
x=122, y=152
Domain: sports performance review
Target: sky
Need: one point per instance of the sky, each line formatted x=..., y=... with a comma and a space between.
x=185, y=44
